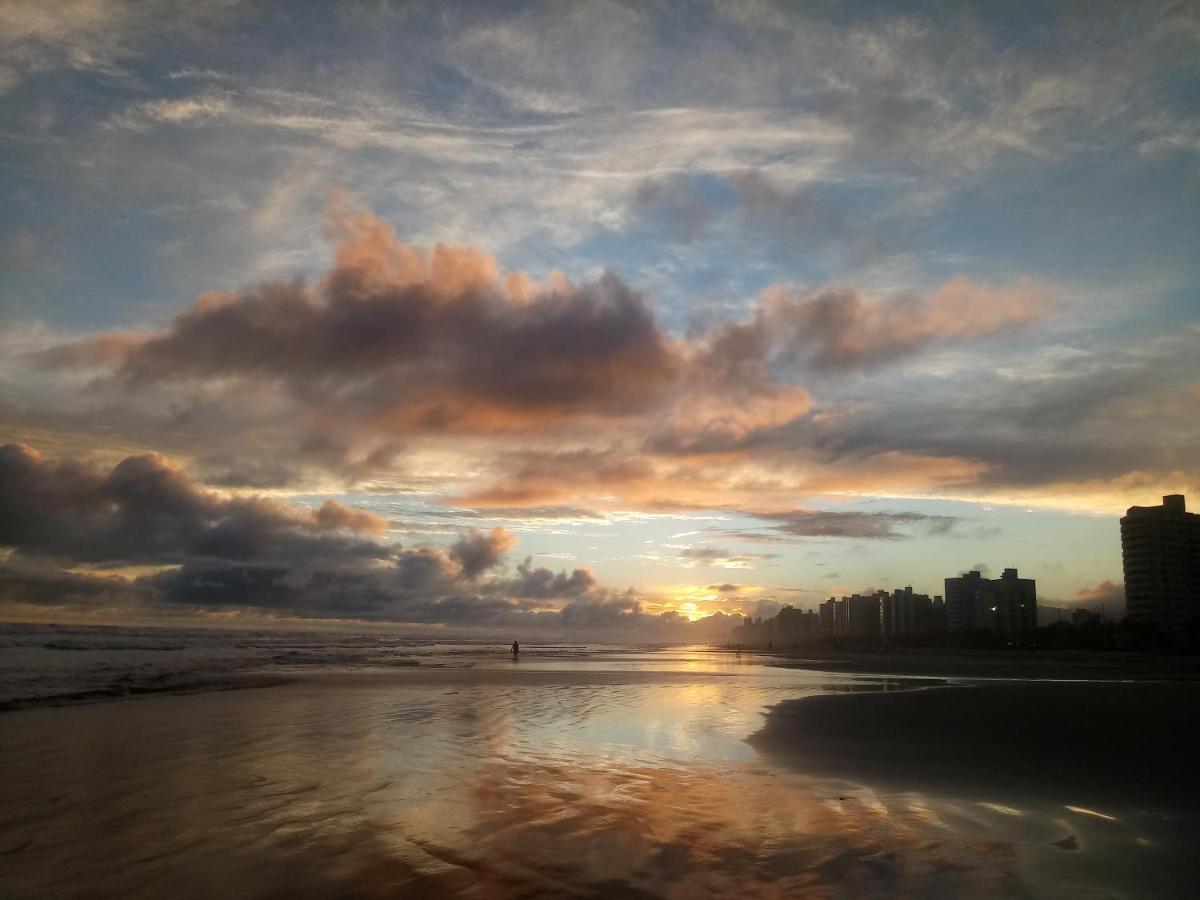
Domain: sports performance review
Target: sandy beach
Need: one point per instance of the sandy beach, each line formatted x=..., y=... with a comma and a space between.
x=669, y=773
x=1002, y=664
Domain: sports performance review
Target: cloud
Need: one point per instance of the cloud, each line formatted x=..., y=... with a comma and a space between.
x=526, y=512
x=720, y=556
x=1105, y=593
x=881, y=526
x=1065, y=423
x=479, y=551
x=78, y=535
x=42, y=584
x=840, y=328
x=537, y=478
x=334, y=514
x=94, y=34
x=755, y=209
x=387, y=370
x=400, y=341
x=864, y=525
x=144, y=510
x=405, y=341
x=675, y=201
x=542, y=583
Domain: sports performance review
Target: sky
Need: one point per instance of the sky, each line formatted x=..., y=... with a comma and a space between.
x=587, y=318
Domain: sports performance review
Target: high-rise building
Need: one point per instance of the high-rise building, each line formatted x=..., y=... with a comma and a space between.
x=1009, y=603
x=906, y=616
x=828, y=614
x=1006, y=605
x=962, y=602
x=1160, y=547
x=863, y=615
x=792, y=627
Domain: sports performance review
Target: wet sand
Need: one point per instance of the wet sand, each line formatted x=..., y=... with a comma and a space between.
x=596, y=778
x=954, y=663
x=1118, y=757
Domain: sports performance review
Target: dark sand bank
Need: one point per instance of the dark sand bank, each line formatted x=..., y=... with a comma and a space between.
x=955, y=663
x=1126, y=743
x=1094, y=786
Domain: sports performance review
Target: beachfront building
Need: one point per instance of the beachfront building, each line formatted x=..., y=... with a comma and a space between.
x=828, y=613
x=793, y=627
x=962, y=602
x=789, y=628
x=905, y=615
x=1006, y=605
x=857, y=617
x=1010, y=603
x=1160, y=548
x=751, y=633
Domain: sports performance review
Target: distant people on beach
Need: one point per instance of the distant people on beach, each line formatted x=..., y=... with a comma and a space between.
x=516, y=649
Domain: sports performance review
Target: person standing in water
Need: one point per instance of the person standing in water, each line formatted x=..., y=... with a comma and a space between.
x=516, y=649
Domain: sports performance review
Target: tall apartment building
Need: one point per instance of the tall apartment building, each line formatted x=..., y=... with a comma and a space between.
x=905, y=615
x=1009, y=603
x=1006, y=605
x=792, y=626
x=828, y=613
x=1160, y=547
x=962, y=602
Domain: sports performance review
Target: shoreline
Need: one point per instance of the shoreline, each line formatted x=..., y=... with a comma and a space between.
x=94, y=696
x=1073, y=739
x=1079, y=665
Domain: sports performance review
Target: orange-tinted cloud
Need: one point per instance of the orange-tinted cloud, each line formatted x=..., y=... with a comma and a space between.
x=396, y=348
x=841, y=327
x=335, y=514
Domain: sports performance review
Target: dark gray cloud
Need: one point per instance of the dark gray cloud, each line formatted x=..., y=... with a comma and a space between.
x=423, y=586
x=479, y=551
x=217, y=553
x=882, y=526
x=41, y=583
x=144, y=510
x=619, y=612
x=1088, y=413
x=542, y=583
x=428, y=355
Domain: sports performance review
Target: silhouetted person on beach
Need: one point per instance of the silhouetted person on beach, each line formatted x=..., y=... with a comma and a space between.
x=516, y=650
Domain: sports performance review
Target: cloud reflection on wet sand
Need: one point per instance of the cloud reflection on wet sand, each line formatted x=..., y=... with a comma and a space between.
x=476, y=787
